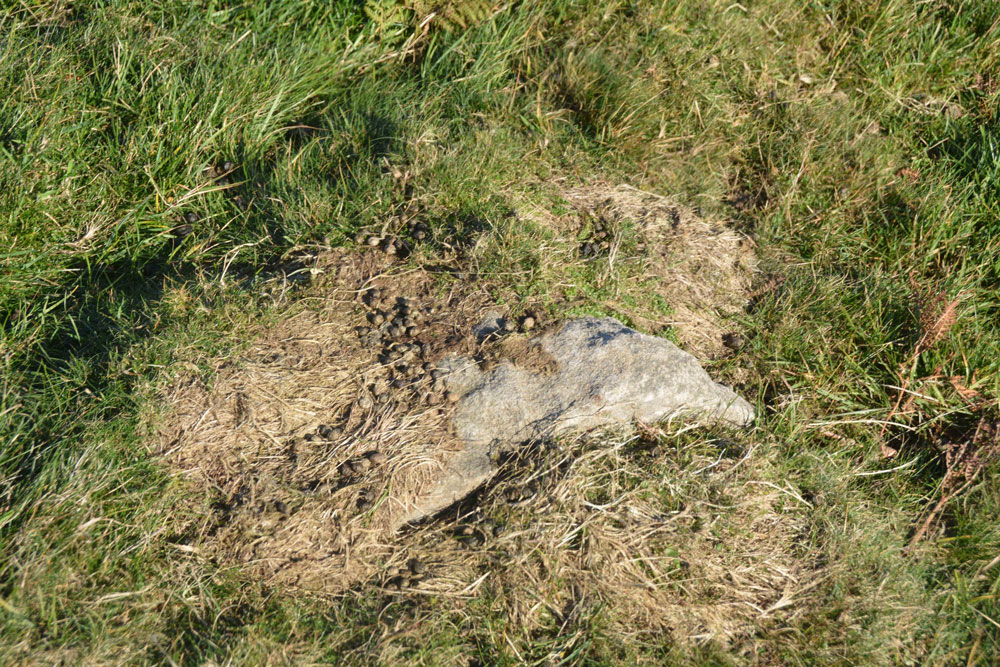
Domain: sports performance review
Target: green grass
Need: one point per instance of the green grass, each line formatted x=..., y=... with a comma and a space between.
x=820, y=127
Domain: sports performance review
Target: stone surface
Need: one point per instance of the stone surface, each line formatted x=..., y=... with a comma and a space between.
x=492, y=323
x=605, y=374
x=460, y=474
x=598, y=372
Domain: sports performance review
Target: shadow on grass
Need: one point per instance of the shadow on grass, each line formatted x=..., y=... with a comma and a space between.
x=66, y=373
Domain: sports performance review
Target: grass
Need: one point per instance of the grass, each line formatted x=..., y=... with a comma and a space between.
x=857, y=143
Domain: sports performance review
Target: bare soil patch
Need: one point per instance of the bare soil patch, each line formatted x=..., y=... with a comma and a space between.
x=316, y=444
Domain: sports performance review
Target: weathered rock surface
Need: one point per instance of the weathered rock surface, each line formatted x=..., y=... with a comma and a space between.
x=598, y=373
x=461, y=473
x=605, y=373
x=492, y=323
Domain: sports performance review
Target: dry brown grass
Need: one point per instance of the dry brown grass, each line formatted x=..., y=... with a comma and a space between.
x=581, y=527
x=704, y=551
x=289, y=509
x=703, y=269
x=601, y=533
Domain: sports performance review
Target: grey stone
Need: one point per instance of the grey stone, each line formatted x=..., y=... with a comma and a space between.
x=605, y=374
x=600, y=373
x=461, y=473
x=491, y=323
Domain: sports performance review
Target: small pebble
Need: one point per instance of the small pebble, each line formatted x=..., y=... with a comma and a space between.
x=190, y=217
x=365, y=403
x=466, y=530
x=451, y=397
x=373, y=241
x=416, y=567
x=228, y=166
x=528, y=323
x=359, y=238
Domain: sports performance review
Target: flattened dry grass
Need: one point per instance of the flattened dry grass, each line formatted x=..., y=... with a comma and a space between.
x=702, y=271
x=600, y=538
x=258, y=444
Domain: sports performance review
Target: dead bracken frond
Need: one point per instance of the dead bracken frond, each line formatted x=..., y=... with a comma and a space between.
x=936, y=320
x=938, y=314
x=965, y=453
x=966, y=456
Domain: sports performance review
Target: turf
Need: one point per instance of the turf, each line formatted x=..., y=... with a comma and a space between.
x=857, y=143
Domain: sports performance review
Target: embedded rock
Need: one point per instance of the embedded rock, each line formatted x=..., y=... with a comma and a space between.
x=593, y=372
x=601, y=373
